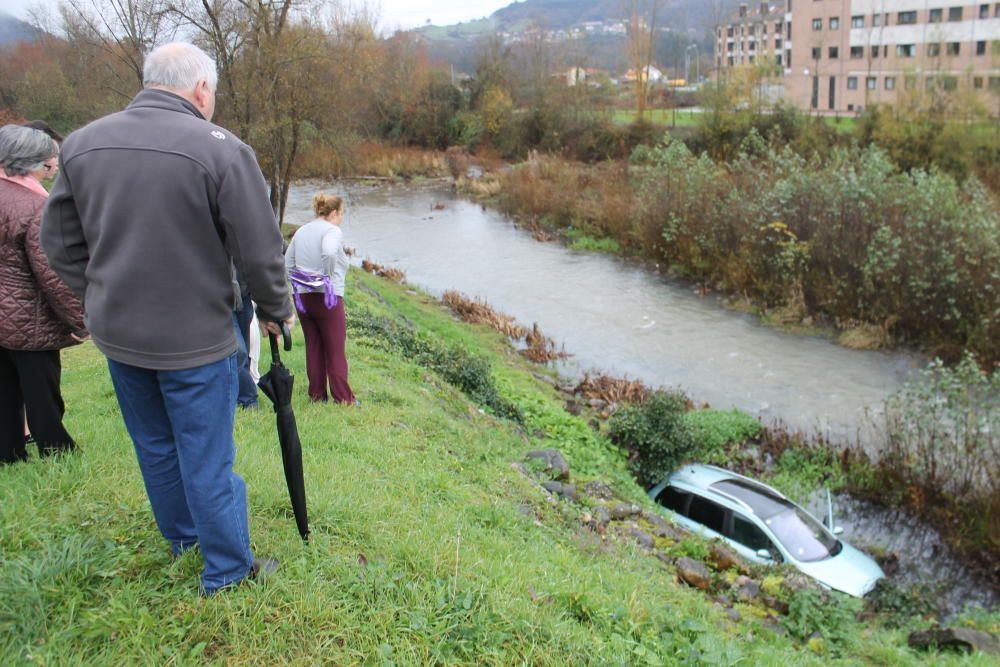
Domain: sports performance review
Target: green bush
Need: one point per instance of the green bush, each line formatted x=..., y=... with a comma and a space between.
x=714, y=429
x=655, y=434
x=832, y=615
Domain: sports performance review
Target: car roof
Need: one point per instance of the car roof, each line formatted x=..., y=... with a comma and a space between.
x=703, y=476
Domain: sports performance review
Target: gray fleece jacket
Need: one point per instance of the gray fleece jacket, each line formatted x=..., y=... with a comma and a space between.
x=152, y=207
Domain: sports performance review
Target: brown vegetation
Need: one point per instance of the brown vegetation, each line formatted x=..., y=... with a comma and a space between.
x=539, y=348
x=612, y=389
x=387, y=272
x=477, y=311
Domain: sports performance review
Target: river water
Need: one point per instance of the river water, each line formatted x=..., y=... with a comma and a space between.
x=613, y=316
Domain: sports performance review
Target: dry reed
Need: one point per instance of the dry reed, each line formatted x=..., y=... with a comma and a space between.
x=612, y=390
x=387, y=272
x=478, y=311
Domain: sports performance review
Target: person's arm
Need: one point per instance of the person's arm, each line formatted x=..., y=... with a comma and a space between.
x=61, y=236
x=57, y=294
x=332, y=241
x=253, y=237
x=290, y=255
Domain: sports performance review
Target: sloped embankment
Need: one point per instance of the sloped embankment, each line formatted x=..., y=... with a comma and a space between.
x=427, y=546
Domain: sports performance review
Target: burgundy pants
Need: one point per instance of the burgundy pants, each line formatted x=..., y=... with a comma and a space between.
x=325, y=331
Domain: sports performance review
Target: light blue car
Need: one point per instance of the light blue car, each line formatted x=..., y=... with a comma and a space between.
x=764, y=527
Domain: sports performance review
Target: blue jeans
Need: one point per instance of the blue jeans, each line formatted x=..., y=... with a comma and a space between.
x=247, y=395
x=181, y=423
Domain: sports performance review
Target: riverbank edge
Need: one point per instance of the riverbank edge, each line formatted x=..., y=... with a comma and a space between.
x=821, y=464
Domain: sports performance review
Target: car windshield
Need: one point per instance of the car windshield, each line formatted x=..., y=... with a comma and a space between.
x=802, y=535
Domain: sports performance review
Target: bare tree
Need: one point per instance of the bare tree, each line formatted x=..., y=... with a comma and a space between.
x=641, y=24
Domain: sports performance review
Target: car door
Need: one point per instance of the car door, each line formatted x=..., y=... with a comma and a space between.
x=746, y=537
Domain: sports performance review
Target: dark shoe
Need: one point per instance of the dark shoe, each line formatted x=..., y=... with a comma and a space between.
x=262, y=567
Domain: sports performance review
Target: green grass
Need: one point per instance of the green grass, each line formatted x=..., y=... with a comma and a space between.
x=427, y=547
x=671, y=117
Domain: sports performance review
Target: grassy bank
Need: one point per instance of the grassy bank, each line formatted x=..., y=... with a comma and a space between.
x=427, y=547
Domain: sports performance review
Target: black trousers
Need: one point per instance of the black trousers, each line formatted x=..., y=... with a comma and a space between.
x=29, y=385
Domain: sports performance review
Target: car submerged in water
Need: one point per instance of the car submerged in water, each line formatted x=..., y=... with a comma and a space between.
x=764, y=526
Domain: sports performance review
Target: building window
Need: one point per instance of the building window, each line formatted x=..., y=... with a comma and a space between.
x=777, y=43
x=852, y=83
x=753, y=46
x=996, y=14
x=984, y=11
x=906, y=18
x=910, y=82
x=933, y=50
x=817, y=24
x=777, y=24
x=777, y=59
x=954, y=14
x=977, y=82
x=834, y=23
x=890, y=83
x=857, y=52
x=858, y=21
x=876, y=20
x=995, y=80
x=752, y=58
x=729, y=47
x=817, y=53
x=954, y=48
x=904, y=50
x=871, y=83
x=981, y=48
x=833, y=53
x=874, y=52
x=936, y=16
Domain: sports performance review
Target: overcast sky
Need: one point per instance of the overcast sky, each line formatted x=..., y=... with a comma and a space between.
x=394, y=13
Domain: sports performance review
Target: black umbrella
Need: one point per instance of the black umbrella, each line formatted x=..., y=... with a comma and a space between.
x=277, y=385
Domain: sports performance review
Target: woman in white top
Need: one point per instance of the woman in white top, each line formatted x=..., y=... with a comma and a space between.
x=317, y=266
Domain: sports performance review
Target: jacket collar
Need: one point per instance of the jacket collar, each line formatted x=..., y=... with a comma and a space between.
x=163, y=99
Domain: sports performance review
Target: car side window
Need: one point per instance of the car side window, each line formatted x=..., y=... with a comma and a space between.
x=707, y=513
x=749, y=535
x=674, y=499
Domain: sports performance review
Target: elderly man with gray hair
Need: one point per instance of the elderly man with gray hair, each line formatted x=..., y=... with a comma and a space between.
x=154, y=208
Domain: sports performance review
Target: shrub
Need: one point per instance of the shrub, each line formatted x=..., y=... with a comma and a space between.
x=831, y=614
x=714, y=429
x=655, y=434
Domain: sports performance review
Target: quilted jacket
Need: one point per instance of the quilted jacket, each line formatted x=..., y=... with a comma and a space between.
x=37, y=310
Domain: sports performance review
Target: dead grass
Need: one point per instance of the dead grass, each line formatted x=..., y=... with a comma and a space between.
x=388, y=272
x=485, y=187
x=865, y=337
x=477, y=311
x=372, y=159
x=539, y=348
x=612, y=390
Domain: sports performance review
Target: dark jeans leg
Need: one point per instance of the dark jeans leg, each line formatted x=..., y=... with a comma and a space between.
x=39, y=374
x=247, y=396
x=11, y=412
x=197, y=406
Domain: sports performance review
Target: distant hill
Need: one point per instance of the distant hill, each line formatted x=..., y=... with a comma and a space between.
x=13, y=30
x=592, y=22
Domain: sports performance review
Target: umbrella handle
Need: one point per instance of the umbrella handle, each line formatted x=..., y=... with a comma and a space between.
x=286, y=335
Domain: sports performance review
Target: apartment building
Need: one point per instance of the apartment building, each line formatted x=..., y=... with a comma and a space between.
x=753, y=36
x=845, y=55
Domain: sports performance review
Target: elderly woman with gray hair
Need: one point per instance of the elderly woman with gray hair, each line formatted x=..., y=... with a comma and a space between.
x=39, y=315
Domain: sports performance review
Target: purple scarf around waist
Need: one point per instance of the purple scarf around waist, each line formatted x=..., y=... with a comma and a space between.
x=306, y=281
